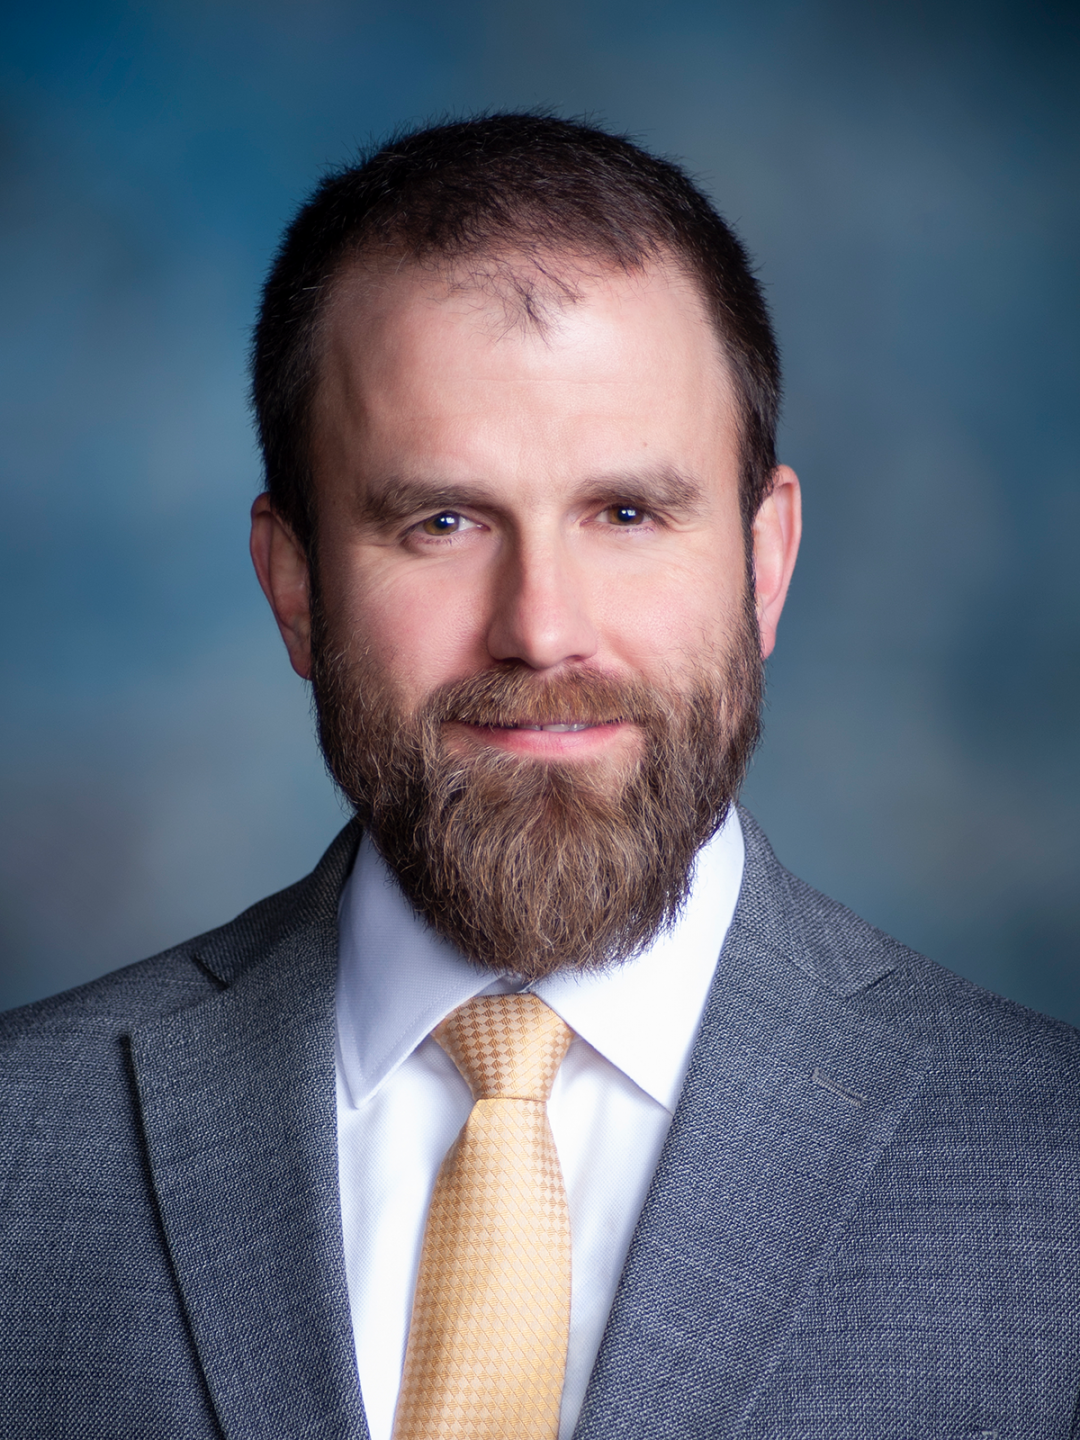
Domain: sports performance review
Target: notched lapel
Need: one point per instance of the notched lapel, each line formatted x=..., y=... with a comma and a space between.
x=790, y=1100
x=238, y=1106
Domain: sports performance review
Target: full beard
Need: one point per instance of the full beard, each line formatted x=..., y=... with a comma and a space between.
x=530, y=867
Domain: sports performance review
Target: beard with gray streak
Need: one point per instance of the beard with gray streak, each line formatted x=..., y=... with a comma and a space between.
x=529, y=867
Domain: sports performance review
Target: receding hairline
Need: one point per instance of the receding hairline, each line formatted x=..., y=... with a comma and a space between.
x=532, y=285
x=466, y=187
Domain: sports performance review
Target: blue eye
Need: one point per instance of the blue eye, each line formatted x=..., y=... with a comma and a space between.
x=445, y=523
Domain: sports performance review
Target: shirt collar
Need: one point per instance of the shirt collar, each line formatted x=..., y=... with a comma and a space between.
x=397, y=979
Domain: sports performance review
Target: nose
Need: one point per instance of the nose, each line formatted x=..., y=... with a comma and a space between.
x=541, y=614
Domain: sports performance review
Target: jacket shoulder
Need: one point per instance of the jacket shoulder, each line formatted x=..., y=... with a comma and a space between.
x=881, y=978
x=184, y=974
x=933, y=1002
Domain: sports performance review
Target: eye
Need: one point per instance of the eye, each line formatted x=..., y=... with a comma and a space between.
x=626, y=516
x=446, y=522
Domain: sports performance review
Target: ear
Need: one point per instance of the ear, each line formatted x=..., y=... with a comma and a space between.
x=776, y=534
x=282, y=568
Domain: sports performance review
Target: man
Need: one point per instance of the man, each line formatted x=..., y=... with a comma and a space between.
x=738, y=1164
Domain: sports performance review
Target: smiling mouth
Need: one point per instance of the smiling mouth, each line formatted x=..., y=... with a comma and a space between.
x=558, y=727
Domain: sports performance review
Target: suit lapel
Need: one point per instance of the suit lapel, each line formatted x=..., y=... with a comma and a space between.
x=239, y=1114
x=790, y=1100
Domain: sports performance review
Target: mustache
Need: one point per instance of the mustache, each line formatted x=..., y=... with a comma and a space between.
x=503, y=699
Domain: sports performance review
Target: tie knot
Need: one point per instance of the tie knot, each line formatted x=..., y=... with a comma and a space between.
x=507, y=1047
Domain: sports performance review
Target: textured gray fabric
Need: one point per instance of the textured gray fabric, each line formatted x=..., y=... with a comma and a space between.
x=865, y=1224
x=171, y=1234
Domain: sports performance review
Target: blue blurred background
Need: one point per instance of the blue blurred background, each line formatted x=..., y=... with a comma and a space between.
x=906, y=174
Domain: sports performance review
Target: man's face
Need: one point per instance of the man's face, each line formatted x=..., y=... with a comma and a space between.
x=494, y=492
x=537, y=657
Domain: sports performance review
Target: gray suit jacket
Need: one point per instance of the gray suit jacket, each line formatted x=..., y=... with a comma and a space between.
x=865, y=1224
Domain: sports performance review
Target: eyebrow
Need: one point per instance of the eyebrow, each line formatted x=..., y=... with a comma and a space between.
x=388, y=502
x=393, y=500
x=662, y=488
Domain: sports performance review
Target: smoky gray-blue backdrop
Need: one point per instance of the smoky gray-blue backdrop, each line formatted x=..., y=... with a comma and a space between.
x=906, y=175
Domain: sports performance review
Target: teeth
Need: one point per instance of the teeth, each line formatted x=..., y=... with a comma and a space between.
x=557, y=729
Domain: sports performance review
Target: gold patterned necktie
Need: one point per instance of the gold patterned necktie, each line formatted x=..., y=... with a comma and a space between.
x=491, y=1313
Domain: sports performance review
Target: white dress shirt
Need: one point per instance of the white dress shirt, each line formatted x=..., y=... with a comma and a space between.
x=401, y=1100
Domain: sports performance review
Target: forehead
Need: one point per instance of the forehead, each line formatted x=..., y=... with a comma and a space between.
x=560, y=366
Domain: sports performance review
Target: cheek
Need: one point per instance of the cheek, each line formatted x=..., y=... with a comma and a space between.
x=420, y=631
x=676, y=616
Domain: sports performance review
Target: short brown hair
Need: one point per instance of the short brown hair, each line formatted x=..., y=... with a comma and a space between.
x=511, y=182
